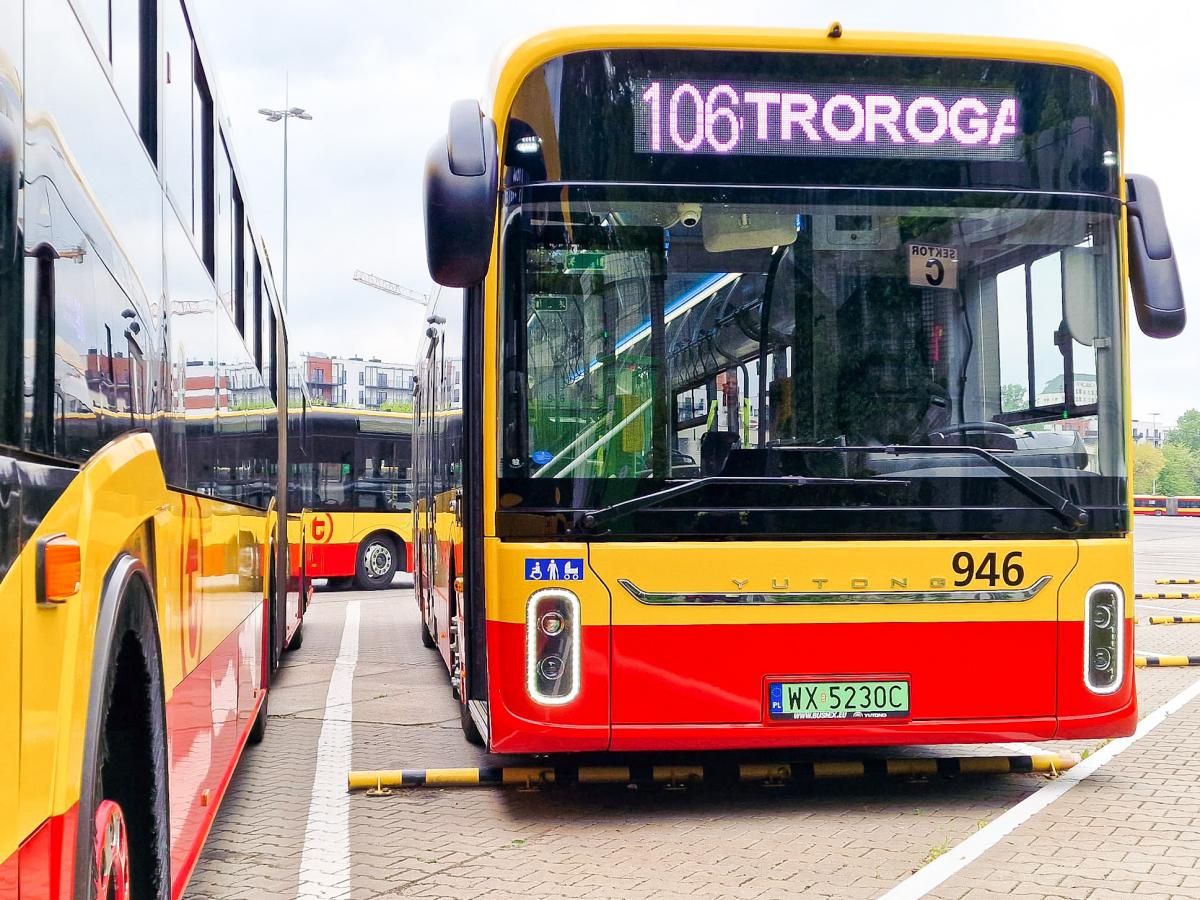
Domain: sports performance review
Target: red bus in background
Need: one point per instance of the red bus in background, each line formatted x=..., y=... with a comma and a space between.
x=357, y=485
x=1155, y=505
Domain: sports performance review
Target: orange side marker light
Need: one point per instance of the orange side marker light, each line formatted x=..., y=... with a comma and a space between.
x=59, y=569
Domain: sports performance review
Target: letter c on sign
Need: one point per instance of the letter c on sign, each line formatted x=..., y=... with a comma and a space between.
x=935, y=272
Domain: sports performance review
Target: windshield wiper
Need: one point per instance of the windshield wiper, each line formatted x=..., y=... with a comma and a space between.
x=1069, y=512
x=594, y=518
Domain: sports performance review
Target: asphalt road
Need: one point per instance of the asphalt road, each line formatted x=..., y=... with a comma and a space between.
x=363, y=692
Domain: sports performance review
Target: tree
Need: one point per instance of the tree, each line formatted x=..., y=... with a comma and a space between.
x=1012, y=398
x=1148, y=464
x=1187, y=431
x=1180, y=473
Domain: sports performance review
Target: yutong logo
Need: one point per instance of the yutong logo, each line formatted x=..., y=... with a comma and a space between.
x=854, y=584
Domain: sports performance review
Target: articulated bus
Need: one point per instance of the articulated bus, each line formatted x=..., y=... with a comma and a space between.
x=357, y=496
x=796, y=392
x=1153, y=505
x=148, y=583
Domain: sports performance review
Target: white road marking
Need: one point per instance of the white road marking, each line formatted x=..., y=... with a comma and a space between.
x=325, y=862
x=929, y=877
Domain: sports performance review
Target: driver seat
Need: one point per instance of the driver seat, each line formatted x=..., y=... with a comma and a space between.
x=715, y=447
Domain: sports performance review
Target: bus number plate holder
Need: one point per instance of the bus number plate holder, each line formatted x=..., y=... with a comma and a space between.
x=851, y=700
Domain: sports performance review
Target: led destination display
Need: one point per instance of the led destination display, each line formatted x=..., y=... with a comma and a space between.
x=698, y=116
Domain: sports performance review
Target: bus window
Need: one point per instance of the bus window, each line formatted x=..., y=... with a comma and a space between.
x=178, y=141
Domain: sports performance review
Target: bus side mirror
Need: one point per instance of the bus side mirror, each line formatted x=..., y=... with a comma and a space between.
x=461, y=185
x=1153, y=274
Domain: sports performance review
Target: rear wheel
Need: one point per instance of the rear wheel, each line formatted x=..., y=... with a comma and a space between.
x=259, y=729
x=297, y=640
x=458, y=685
x=123, y=846
x=427, y=640
x=376, y=563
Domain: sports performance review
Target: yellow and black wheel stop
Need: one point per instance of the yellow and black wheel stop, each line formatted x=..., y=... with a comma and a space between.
x=1152, y=661
x=1174, y=620
x=380, y=781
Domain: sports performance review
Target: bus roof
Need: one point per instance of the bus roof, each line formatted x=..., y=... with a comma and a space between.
x=516, y=61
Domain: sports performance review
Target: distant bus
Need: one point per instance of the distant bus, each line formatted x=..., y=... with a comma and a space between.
x=1154, y=505
x=149, y=565
x=357, y=496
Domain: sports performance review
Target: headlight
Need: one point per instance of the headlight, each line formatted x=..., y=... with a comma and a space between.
x=1103, y=650
x=552, y=633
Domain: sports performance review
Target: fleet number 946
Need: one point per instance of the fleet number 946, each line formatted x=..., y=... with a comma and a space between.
x=989, y=568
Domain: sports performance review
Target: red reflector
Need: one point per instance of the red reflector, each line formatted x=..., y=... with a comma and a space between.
x=59, y=568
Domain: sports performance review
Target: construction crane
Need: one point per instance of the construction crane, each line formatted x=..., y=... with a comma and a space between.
x=390, y=287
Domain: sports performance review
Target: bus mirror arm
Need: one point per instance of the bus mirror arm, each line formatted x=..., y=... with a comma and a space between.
x=461, y=189
x=1153, y=273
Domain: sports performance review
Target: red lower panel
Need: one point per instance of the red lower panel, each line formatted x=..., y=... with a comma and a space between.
x=1083, y=714
x=330, y=560
x=704, y=686
x=206, y=736
x=43, y=866
x=707, y=674
x=518, y=724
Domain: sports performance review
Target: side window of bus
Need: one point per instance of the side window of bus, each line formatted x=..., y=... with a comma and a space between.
x=125, y=33
x=245, y=446
x=1041, y=366
x=178, y=117
x=255, y=341
x=88, y=376
x=227, y=229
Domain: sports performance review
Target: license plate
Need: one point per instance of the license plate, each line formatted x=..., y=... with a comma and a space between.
x=790, y=700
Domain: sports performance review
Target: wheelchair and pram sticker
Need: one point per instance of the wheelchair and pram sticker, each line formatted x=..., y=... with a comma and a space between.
x=554, y=569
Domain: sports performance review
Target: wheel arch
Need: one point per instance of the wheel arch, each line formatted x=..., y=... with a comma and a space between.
x=127, y=577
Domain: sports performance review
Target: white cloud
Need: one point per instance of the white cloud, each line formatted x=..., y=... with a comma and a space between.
x=379, y=77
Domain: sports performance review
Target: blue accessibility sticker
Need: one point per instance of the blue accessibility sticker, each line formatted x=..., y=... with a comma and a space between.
x=554, y=569
x=541, y=457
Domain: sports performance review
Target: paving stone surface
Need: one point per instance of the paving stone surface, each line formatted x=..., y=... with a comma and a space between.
x=1131, y=828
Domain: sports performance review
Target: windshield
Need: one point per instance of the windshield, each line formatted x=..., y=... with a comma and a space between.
x=655, y=335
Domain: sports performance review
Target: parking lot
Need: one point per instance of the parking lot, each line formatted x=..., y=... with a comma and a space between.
x=1126, y=821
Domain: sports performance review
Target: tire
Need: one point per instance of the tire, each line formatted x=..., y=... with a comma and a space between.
x=123, y=839
x=376, y=563
x=297, y=640
x=427, y=640
x=470, y=731
x=259, y=729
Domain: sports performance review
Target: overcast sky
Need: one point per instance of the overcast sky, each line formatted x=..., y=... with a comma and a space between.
x=378, y=77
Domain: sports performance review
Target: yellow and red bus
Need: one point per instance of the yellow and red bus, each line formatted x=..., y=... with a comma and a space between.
x=149, y=566
x=1155, y=505
x=357, y=496
x=758, y=445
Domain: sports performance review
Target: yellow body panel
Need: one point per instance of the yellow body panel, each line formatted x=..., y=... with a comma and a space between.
x=117, y=494
x=343, y=527
x=780, y=567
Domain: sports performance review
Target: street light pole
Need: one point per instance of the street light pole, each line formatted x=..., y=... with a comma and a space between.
x=274, y=115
